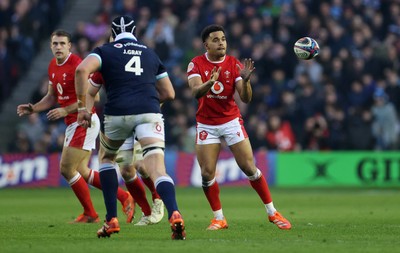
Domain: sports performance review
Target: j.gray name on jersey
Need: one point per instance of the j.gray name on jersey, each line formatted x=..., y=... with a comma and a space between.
x=132, y=52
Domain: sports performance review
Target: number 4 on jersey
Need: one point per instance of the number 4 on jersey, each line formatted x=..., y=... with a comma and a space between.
x=134, y=65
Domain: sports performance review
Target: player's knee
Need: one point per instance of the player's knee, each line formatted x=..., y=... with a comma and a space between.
x=66, y=170
x=207, y=174
x=127, y=172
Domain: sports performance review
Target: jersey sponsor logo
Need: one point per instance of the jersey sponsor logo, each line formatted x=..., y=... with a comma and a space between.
x=203, y=135
x=217, y=88
x=158, y=127
x=190, y=67
x=118, y=45
x=59, y=88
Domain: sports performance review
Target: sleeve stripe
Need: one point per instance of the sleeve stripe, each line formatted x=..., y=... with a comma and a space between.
x=193, y=75
x=161, y=76
x=97, y=56
x=94, y=84
x=238, y=79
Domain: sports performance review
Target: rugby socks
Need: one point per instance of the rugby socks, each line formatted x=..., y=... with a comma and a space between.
x=259, y=184
x=94, y=180
x=109, y=183
x=81, y=190
x=211, y=190
x=150, y=185
x=166, y=189
x=136, y=189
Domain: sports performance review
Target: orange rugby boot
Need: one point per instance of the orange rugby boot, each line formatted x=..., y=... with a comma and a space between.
x=177, y=226
x=108, y=228
x=86, y=219
x=129, y=208
x=280, y=221
x=218, y=224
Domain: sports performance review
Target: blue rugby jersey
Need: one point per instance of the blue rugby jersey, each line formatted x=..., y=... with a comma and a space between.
x=130, y=71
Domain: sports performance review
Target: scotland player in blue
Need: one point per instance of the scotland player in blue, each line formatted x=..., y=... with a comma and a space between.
x=136, y=82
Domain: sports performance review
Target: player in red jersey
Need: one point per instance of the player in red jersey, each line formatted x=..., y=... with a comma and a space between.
x=79, y=141
x=214, y=78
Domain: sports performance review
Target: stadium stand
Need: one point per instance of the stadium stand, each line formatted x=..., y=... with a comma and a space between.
x=348, y=98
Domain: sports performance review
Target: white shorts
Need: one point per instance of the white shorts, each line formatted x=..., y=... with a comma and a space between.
x=140, y=125
x=232, y=131
x=80, y=137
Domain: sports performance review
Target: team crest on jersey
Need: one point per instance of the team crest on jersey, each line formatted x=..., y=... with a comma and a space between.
x=217, y=88
x=227, y=74
x=118, y=45
x=190, y=67
x=206, y=72
x=59, y=88
x=52, y=76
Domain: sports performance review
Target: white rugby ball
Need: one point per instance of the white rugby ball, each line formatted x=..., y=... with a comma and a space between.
x=306, y=48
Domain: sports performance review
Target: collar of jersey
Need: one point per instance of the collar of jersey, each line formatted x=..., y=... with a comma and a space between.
x=125, y=36
x=215, y=61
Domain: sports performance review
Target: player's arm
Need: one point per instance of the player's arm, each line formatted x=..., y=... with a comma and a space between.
x=199, y=88
x=89, y=65
x=93, y=96
x=243, y=86
x=45, y=103
x=165, y=89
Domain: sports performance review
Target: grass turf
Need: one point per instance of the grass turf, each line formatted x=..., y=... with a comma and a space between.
x=323, y=220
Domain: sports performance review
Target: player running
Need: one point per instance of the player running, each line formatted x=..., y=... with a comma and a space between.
x=135, y=83
x=130, y=160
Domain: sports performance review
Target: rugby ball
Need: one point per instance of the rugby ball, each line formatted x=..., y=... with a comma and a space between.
x=306, y=48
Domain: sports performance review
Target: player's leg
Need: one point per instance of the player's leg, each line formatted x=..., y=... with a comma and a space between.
x=68, y=168
x=207, y=156
x=151, y=138
x=109, y=182
x=208, y=145
x=243, y=153
x=132, y=181
x=157, y=210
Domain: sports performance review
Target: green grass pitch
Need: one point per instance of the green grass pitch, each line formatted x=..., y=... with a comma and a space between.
x=323, y=220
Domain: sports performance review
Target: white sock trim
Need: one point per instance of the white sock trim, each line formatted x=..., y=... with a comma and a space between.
x=74, y=179
x=270, y=208
x=131, y=179
x=209, y=183
x=91, y=177
x=256, y=175
x=163, y=179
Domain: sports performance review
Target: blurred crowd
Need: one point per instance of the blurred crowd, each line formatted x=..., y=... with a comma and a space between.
x=24, y=24
x=347, y=98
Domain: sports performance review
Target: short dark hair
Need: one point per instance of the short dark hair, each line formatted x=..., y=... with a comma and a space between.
x=210, y=29
x=62, y=33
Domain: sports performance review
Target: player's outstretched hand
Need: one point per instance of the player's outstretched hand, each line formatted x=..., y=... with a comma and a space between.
x=57, y=113
x=24, y=109
x=247, y=70
x=215, y=74
x=84, y=119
